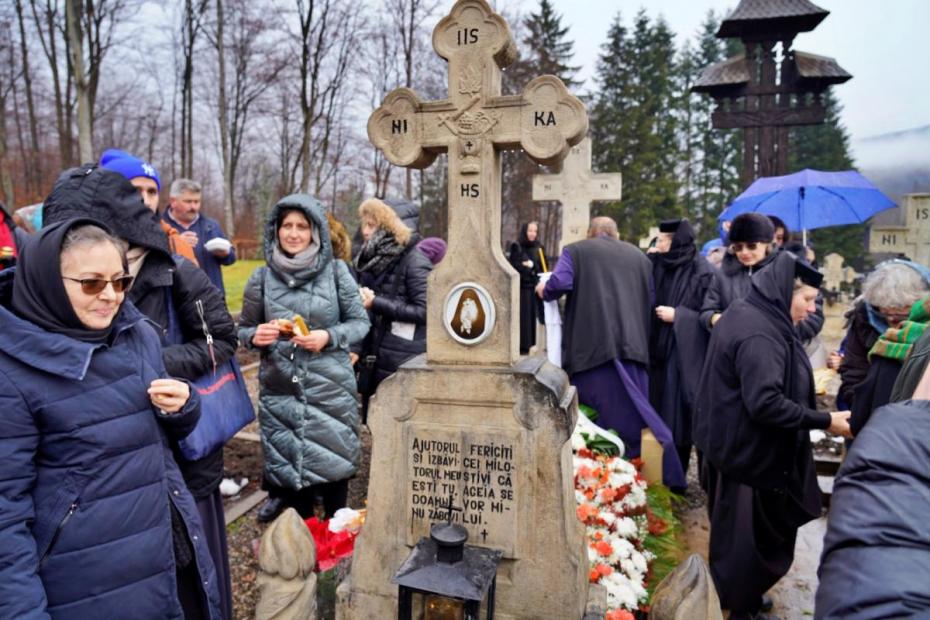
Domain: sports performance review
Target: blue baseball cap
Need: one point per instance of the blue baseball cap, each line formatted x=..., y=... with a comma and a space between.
x=128, y=165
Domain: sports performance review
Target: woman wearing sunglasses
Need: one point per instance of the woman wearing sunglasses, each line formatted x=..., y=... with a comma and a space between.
x=90, y=496
x=750, y=248
x=166, y=290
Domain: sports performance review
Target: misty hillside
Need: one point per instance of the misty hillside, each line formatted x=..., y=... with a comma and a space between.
x=898, y=163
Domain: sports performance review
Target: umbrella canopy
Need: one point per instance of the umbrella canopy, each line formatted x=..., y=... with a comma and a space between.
x=812, y=199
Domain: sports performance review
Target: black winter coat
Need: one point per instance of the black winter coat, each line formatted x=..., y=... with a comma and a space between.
x=186, y=283
x=860, y=336
x=876, y=553
x=732, y=282
x=757, y=405
x=107, y=196
x=398, y=310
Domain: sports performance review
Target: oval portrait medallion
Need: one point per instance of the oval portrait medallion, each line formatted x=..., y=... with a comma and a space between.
x=468, y=313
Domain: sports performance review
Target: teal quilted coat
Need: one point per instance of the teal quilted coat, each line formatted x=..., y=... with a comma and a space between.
x=308, y=410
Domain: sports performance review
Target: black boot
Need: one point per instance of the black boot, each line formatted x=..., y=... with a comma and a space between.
x=270, y=510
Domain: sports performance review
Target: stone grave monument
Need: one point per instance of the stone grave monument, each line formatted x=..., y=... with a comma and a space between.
x=835, y=274
x=467, y=419
x=912, y=239
x=576, y=187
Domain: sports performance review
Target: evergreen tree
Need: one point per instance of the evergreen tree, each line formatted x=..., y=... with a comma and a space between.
x=713, y=157
x=545, y=49
x=634, y=122
x=826, y=147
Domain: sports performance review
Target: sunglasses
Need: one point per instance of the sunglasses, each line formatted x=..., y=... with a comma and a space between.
x=93, y=286
x=736, y=248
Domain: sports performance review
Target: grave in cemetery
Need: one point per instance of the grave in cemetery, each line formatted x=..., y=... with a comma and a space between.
x=576, y=187
x=835, y=275
x=912, y=238
x=471, y=424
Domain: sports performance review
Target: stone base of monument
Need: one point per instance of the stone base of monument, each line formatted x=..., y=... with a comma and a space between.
x=495, y=440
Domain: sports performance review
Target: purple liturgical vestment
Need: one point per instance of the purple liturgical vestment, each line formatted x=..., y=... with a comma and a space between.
x=618, y=390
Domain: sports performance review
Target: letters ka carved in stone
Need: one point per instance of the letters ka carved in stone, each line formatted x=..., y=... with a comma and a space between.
x=576, y=187
x=473, y=125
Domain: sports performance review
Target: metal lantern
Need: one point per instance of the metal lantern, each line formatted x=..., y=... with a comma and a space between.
x=445, y=577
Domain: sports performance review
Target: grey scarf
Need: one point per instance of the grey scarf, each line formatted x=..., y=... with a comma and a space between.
x=301, y=261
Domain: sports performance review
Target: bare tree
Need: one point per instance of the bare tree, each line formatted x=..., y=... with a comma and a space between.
x=7, y=79
x=256, y=66
x=383, y=76
x=407, y=17
x=76, y=51
x=191, y=25
x=48, y=21
x=34, y=167
x=326, y=44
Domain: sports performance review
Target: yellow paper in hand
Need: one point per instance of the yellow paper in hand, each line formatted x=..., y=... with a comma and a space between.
x=300, y=327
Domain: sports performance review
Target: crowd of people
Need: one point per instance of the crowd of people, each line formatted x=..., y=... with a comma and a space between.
x=111, y=310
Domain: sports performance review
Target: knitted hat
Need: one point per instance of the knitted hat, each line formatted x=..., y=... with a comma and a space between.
x=751, y=227
x=128, y=165
x=434, y=248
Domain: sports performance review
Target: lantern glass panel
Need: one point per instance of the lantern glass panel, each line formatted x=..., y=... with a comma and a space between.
x=443, y=608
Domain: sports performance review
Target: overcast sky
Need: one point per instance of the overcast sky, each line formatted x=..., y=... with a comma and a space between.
x=884, y=44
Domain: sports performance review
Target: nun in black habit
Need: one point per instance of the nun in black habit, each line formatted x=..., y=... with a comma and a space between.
x=677, y=342
x=524, y=256
x=753, y=417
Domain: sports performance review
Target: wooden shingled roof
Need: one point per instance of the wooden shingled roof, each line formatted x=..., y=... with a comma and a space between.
x=813, y=71
x=755, y=18
x=820, y=68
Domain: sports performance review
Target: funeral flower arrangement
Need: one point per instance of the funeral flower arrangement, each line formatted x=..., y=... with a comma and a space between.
x=613, y=505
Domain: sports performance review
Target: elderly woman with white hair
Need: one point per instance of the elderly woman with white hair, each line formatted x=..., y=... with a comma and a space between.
x=891, y=295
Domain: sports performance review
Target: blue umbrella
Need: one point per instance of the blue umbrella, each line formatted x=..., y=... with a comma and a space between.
x=812, y=199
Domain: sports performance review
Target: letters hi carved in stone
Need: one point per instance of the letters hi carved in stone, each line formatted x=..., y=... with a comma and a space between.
x=472, y=126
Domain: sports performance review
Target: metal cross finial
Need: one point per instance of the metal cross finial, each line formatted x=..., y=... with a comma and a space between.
x=450, y=508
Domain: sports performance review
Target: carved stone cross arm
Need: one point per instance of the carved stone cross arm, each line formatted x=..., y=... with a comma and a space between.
x=473, y=124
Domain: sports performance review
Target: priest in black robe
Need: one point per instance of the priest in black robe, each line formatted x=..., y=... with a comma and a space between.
x=677, y=342
x=605, y=337
x=753, y=419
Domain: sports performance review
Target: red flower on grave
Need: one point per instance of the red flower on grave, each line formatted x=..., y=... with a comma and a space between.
x=619, y=614
x=603, y=547
x=330, y=547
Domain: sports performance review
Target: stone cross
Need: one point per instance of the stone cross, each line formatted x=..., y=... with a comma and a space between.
x=576, y=187
x=473, y=293
x=912, y=239
x=835, y=274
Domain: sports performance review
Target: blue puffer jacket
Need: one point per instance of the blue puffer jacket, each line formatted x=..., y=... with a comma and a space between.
x=876, y=554
x=87, y=475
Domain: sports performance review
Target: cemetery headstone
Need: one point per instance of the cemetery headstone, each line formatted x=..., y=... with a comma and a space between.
x=467, y=419
x=912, y=239
x=576, y=187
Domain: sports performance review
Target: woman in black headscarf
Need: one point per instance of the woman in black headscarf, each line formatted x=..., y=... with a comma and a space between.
x=754, y=413
x=91, y=497
x=677, y=344
x=524, y=256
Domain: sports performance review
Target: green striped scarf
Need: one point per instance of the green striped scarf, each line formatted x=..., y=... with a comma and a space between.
x=896, y=343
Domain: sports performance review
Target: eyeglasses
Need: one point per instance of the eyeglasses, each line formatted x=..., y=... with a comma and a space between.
x=736, y=248
x=93, y=286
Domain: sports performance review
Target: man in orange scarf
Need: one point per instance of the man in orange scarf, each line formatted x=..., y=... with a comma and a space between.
x=144, y=177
